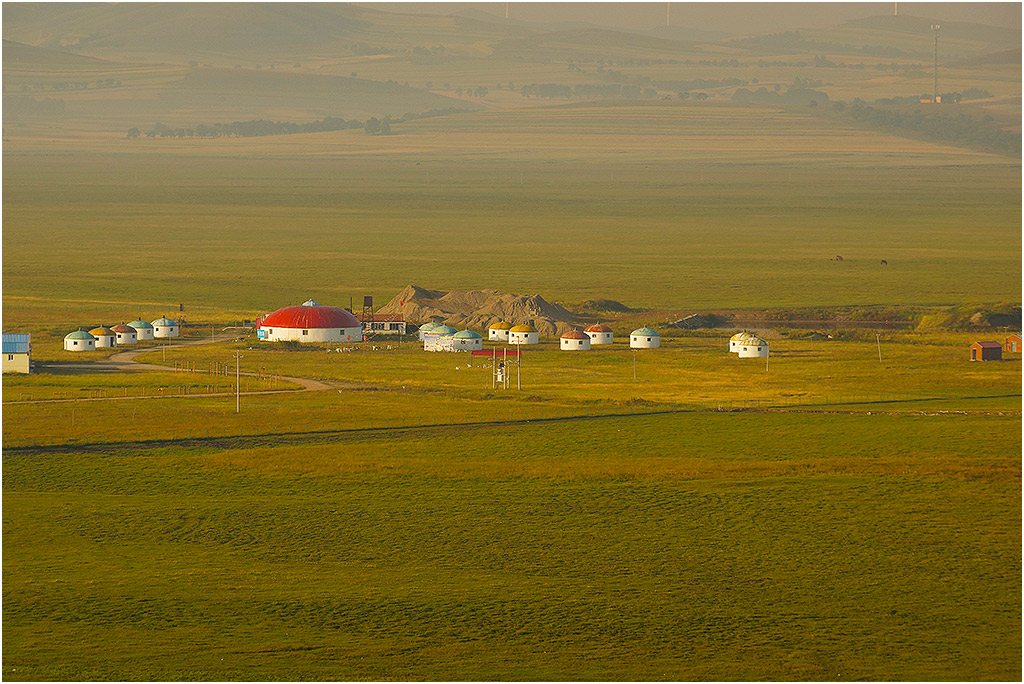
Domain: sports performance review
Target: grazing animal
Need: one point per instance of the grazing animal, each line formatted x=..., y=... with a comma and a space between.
x=884, y=262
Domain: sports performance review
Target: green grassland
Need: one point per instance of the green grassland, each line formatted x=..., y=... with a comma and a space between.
x=827, y=517
x=677, y=547
x=407, y=387
x=696, y=207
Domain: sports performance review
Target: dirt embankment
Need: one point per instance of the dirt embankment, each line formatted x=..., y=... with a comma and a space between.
x=479, y=308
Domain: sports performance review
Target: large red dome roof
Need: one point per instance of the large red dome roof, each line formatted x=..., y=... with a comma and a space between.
x=306, y=317
x=597, y=327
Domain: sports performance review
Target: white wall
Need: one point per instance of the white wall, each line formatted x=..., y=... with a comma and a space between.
x=165, y=331
x=276, y=334
x=83, y=345
x=523, y=338
x=16, y=363
x=644, y=342
x=575, y=345
x=600, y=337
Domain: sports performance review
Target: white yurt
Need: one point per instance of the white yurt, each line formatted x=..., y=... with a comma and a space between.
x=79, y=340
x=467, y=340
x=126, y=334
x=748, y=346
x=599, y=334
x=144, y=329
x=644, y=338
x=440, y=338
x=523, y=334
x=427, y=328
x=105, y=337
x=498, y=331
x=165, y=327
x=310, y=323
x=574, y=340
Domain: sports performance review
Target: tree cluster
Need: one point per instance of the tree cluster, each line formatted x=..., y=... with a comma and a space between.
x=262, y=127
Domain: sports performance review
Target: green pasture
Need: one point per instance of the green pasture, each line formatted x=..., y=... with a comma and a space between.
x=407, y=387
x=680, y=547
x=663, y=206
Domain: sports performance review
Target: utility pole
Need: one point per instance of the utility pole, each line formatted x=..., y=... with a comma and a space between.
x=634, y=364
x=878, y=340
x=668, y=13
x=935, y=89
x=238, y=355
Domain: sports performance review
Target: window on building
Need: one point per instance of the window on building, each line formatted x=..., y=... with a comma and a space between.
x=10, y=357
x=744, y=349
x=648, y=339
x=758, y=349
x=75, y=343
x=305, y=332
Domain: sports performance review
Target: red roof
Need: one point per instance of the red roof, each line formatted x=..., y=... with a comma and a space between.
x=122, y=328
x=306, y=317
x=988, y=345
x=575, y=335
x=597, y=327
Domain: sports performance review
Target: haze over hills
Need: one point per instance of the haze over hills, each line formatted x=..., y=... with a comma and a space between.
x=186, y=63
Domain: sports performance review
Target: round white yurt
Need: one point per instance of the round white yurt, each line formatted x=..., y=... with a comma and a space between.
x=427, y=328
x=467, y=340
x=498, y=332
x=644, y=338
x=126, y=334
x=574, y=340
x=79, y=340
x=144, y=329
x=599, y=334
x=523, y=334
x=749, y=346
x=310, y=323
x=165, y=327
x=105, y=337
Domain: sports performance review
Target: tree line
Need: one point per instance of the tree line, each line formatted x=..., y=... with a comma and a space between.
x=263, y=127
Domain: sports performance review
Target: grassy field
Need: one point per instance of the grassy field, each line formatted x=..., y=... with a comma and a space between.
x=409, y=387
x=829, y=517
x=666, y=548
x=685, y=211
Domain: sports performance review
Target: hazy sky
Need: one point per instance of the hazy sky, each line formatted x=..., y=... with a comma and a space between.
x=741, y=17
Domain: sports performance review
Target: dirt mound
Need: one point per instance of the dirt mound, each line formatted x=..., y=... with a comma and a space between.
x=604, y=305
x=479, y=308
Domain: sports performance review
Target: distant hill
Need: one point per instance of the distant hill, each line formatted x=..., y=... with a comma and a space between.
x=19, y=54
x=245, y=91
x=954, y=30
x=591, y=43
x=258, y=31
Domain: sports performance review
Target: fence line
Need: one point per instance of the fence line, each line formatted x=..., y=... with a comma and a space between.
x=524, y=416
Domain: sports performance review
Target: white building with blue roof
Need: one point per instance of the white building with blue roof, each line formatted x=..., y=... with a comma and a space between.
x=17, y=351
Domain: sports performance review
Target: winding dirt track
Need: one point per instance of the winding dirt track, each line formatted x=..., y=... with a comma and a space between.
x=125, y=361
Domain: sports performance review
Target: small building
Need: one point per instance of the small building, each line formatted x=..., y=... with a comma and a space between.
x=165, y=327
x=427, y=328
x=105, y=337
x=126, y=334
x=741, y=339
x=498, y=331
x=79, y=341
x=467, y=340
x=440, y=338
x=310, y=323
x=523, y=334
x=17, y=350
x=644, y=338
x=574, y=340
x=1012, y=344
x=383, y=324
x=144, y=330
x=599, y=334
x=986, y=351
x=748, y=346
